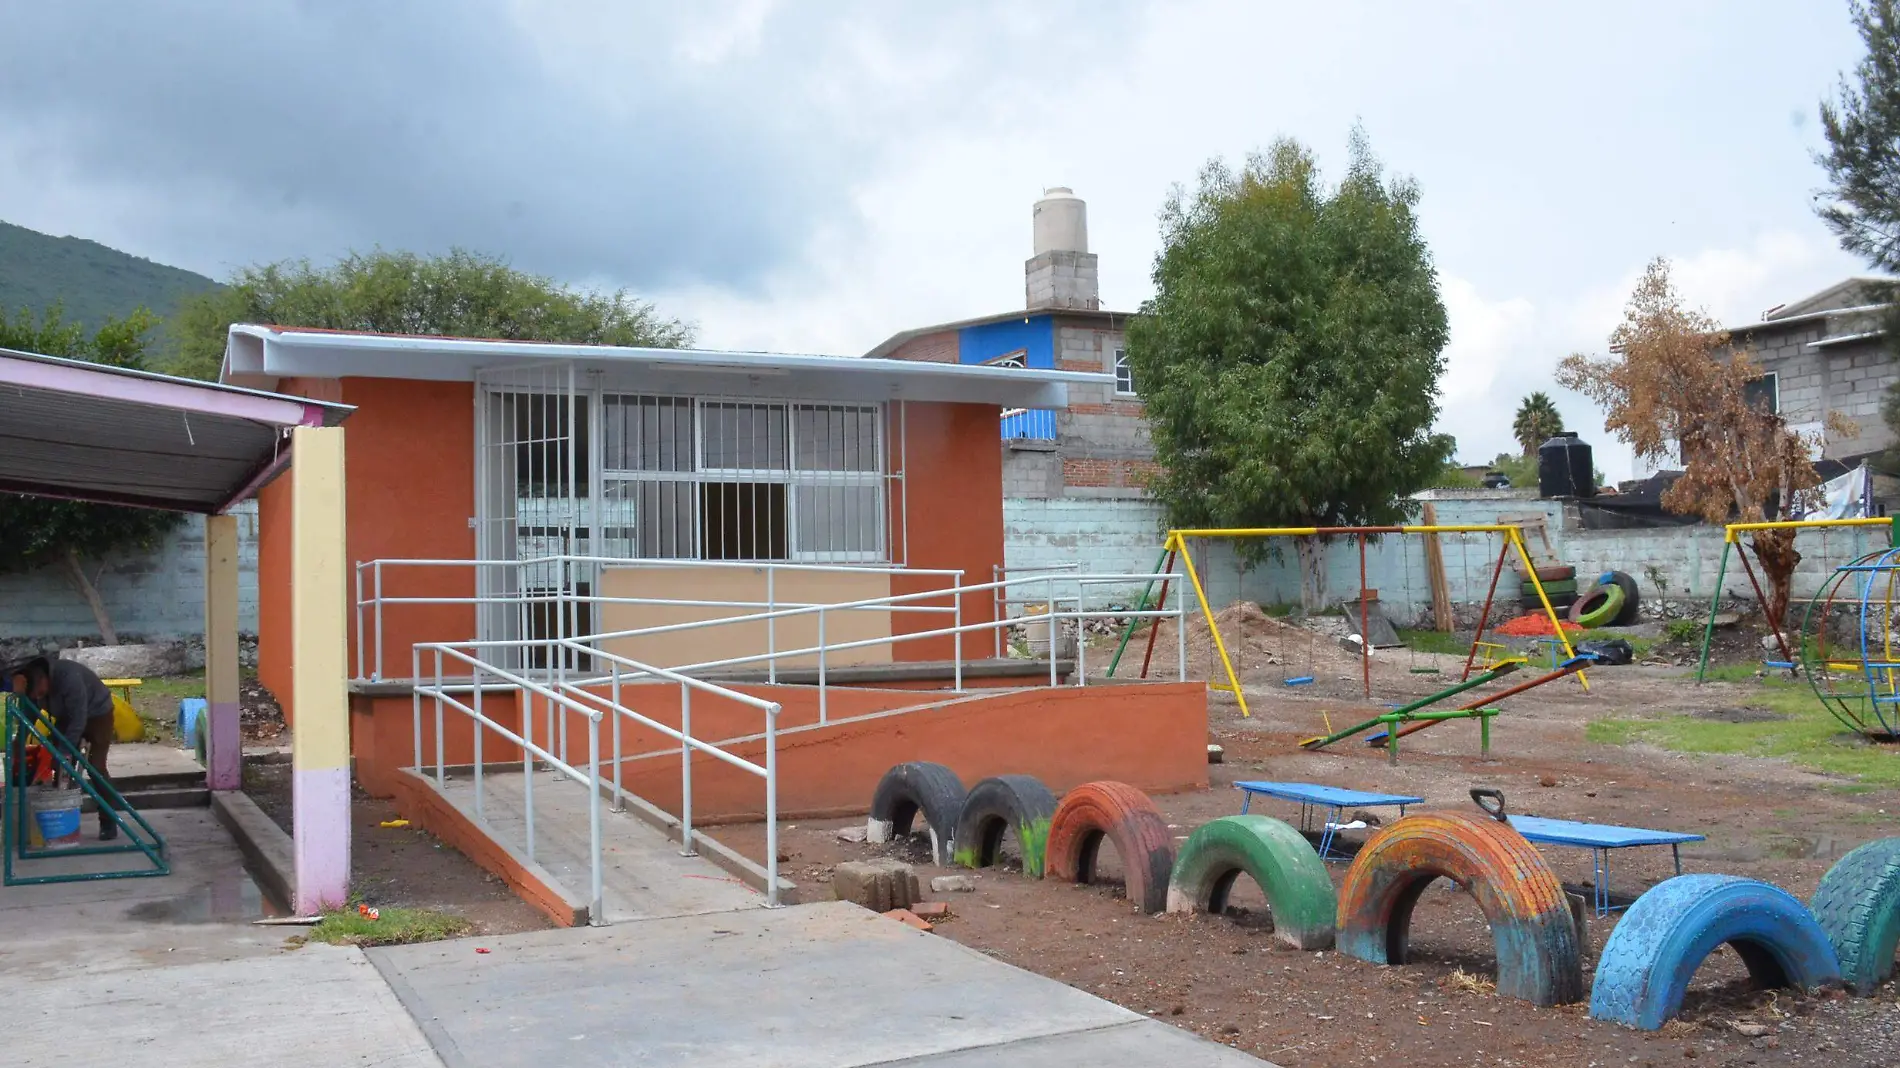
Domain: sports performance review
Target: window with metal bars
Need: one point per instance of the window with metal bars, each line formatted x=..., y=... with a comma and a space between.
x=741, y=480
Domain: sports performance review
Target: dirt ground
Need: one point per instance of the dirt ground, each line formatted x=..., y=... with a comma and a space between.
x=1228, y=979
x=404, y=866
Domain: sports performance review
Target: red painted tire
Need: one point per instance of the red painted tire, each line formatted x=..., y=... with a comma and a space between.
x=1125, y=816
x=1536, y=940
x=1551, y=573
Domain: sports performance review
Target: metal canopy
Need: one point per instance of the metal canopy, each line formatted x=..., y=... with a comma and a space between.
x=261, y=355
x=94, y=433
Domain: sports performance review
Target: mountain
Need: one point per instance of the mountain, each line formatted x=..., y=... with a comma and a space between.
x=90, y=281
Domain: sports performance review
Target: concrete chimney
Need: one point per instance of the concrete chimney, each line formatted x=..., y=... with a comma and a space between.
x=1062, y=273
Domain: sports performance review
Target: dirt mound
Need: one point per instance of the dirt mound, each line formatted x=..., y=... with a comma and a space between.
x=1261, y=647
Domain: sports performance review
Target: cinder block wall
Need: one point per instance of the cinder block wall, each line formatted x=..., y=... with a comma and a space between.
x=157, y=596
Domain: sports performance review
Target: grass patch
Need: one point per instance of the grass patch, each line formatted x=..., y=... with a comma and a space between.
x=1810, y=737
x=394, y=927
x=1434, y=641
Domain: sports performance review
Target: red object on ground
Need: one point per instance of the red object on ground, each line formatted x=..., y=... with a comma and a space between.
x=930, y=910
x=908, y=918
x=481, y=949
x=1530, y=624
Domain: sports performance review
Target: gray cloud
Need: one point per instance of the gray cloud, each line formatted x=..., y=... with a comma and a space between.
x=221, y=133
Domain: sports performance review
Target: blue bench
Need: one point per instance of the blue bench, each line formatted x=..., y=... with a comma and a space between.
x=1333, y=800
x=1599, y=839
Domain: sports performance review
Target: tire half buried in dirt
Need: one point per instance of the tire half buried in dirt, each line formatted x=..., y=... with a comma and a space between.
x=1663, y=938
x=1127, y=818
x=1531, y=926
x=998, y=805
x=1597, y=607
x=1632, y=596
x=1274, y=855
x=1858, y=905
x=911, y=788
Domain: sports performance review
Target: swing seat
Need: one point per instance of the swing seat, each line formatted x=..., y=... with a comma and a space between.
x=1298, y=680
x=1426, y=671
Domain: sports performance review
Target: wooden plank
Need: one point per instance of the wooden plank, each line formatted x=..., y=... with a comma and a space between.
x=1435, y=574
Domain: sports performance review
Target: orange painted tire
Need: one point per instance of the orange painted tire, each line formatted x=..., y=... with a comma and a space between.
x=1536, y=940
x=1125, y=816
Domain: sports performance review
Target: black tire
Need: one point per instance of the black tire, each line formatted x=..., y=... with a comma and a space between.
x=999, y=804
x=1559, y=601
x=1550, y=588
x=908, y=789
x=1632, y=597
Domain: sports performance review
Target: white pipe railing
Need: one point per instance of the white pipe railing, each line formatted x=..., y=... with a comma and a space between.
x=578, y=700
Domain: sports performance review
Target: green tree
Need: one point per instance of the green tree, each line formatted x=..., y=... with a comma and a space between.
x=37, y=531
x=1861, y=202
x=1537, y=422
x=1290, y=357
x=462, y=294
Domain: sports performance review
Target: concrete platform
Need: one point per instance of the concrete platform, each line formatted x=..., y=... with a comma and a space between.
x=643, y=875
x=812, y=986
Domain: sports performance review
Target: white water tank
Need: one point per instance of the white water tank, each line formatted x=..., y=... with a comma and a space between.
x=1062, y=222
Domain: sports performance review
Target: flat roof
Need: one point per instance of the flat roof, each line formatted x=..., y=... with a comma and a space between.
x=259, y=355
x=90, y=432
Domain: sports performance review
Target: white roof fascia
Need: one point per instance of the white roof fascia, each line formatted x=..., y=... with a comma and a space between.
x=262, y=353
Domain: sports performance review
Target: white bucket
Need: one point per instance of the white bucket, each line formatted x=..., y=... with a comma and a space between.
x=56, y=815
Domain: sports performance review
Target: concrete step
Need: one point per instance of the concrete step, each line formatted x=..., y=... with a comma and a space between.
x=147, y=800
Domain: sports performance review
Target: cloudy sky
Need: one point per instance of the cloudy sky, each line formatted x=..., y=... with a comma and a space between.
x=816, y=176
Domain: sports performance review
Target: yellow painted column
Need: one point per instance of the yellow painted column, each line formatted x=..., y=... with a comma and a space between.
x=320, y=746
x=224, y=743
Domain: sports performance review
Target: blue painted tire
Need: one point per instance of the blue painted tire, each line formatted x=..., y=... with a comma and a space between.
x=1663, y=938
x=1858, y=905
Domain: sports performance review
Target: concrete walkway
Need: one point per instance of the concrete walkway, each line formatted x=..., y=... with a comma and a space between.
x=812, y=986
x=170, y=972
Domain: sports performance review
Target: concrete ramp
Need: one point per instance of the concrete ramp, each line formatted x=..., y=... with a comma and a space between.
x=811, y=986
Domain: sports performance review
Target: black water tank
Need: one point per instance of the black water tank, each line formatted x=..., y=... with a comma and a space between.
x=1565, y=468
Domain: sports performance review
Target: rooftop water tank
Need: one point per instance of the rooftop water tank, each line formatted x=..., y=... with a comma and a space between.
x=1062, y=222
x=1565, y=467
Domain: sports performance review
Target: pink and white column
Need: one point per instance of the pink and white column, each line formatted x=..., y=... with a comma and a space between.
x=320, y=745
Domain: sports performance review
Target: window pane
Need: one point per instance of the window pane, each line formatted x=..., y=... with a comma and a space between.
x=748, y=437
x=648, y=434
x=839, y=521
x=836, y=438
x=649, y=519
x=742, y=521
x=1124, y=374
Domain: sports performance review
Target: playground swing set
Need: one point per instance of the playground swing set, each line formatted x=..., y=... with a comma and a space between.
x=1490, y=661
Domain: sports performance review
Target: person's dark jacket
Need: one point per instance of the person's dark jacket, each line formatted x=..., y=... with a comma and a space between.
x=76, y=697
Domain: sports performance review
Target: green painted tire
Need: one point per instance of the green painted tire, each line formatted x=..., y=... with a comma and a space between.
x=1551, y=589
x=1858, y=905
x=1598, y=607
x=1274, y=855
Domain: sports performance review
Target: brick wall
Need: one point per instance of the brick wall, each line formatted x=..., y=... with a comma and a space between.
x=940, y=347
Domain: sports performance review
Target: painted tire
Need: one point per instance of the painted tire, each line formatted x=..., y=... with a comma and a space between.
x=1551, y=589
x=1274, y=855
x=909, y=789
x=1858, y=905
x=1125, y=816
x=1516, y=889
x=1553, y=573
x=996, y=805
x=1663, y=938
x=1598, y=607
x=1632, y=596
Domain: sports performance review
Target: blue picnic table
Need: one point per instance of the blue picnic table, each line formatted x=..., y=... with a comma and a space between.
x=1599, y=839
x=1333, y=800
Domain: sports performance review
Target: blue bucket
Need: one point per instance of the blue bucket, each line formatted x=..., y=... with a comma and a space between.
x=191, y=712
x=58, y=822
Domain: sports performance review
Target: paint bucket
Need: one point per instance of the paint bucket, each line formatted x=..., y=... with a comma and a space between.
x=1036, y=635
x=56, y=815
x=191, y=711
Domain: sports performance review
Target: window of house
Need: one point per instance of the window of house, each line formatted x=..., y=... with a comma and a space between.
x=1019, y=358
x=742, y=480
x=1124, y=374
x=1763, y=393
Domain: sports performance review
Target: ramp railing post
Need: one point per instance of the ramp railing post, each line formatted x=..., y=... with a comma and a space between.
x=771, y=807
x=619, y=803
x=597, y=915
x=686, y=772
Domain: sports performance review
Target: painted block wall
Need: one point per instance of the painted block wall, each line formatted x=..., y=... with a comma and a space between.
x=1034, y=335
x=158, y=596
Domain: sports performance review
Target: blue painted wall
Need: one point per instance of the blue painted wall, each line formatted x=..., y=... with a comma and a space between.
x=1035, y=334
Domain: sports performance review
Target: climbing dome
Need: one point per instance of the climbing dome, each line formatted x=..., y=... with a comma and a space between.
x=1850, y=651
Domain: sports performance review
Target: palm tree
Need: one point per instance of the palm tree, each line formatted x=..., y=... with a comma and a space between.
x=1537, y=422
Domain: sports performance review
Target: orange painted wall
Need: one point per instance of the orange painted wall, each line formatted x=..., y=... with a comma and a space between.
x=409, y=465
x=954, y=480
x=1151, y=735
